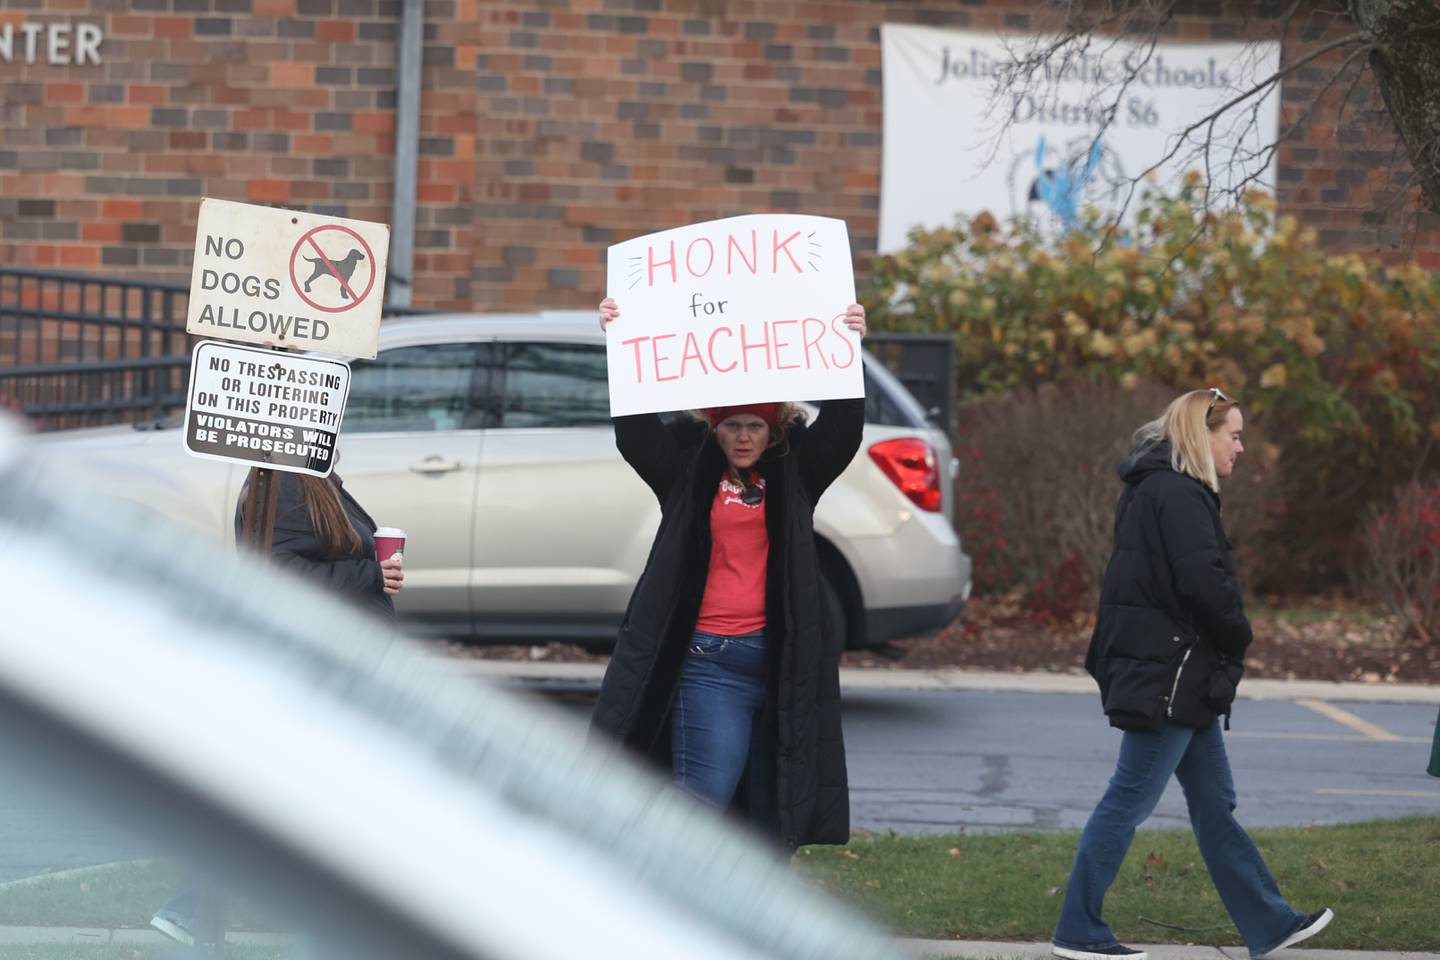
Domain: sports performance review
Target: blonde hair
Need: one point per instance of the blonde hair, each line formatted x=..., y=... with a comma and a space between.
x=1187, y=423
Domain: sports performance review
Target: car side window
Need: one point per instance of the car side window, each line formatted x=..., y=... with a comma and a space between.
x=882, y=408
x=433, y=386
x=555, y=385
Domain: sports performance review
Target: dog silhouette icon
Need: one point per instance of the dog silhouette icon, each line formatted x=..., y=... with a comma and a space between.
x=342, y=270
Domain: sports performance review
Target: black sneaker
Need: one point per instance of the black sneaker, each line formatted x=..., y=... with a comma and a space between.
x=1310, y=926
x=1117, y=952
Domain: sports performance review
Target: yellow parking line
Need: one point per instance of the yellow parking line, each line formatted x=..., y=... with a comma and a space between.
x=1325, y=737
x=1335, y=792
x=1346, y=718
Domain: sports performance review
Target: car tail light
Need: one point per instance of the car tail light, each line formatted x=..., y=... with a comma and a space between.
x=910, y=463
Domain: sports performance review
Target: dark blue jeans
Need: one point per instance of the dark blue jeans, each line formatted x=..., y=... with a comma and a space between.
x=717, y=733
x=1198, y=760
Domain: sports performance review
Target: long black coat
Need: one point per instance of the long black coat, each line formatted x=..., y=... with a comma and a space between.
x=356, y=577
x=683, y=465
x=1170, y=639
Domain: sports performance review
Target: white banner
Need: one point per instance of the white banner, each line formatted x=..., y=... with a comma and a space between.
x=744, y=310
x=962, y=136
x=265, y=408
x=284, y=278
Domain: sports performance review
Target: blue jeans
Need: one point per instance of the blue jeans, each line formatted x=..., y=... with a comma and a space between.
x=717, y=731
x=1198, y=760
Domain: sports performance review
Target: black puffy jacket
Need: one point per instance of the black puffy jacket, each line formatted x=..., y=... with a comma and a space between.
x=683, y=464
x=1171, y=634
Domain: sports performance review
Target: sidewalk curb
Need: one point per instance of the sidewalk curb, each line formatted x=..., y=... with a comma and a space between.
x=978, y=949
x=583, y=675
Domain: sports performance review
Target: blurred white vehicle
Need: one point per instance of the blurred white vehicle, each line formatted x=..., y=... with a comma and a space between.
x=488, y=440
x=309, y=760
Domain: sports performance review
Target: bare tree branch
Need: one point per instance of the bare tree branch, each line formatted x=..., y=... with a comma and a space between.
x=1398, y=40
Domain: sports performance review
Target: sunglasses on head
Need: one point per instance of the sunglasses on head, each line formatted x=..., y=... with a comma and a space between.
x=1215, y=394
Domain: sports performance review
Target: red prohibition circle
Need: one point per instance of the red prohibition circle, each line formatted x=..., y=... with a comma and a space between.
x=355, y=298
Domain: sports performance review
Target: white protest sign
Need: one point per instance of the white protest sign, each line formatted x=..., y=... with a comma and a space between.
x=265, y=408
x=743, y=310
x=288, y=279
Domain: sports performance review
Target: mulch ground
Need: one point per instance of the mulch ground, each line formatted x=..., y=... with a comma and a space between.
x=1310, y=638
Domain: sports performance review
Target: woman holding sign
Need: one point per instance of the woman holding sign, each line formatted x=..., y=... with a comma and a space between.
x=724, y=670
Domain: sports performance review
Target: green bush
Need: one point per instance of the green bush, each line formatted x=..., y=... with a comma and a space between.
x=1336, y=358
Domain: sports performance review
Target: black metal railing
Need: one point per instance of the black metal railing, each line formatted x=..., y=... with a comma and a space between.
x=80, y=350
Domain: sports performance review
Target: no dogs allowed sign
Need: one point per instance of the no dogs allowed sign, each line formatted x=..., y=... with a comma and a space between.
x=284, y=278
x=265, y=408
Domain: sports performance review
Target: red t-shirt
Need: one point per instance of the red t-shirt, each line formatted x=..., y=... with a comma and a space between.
x=734, y=601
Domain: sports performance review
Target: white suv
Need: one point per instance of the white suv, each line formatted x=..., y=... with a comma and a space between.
x=487, y=438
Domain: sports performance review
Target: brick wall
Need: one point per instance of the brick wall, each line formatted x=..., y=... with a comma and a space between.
x=550, y=129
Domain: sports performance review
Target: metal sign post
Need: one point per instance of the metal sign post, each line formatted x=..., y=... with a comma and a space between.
x=258, y=523
x=294, y=281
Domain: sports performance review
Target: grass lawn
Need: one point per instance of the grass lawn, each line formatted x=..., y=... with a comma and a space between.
x=122, y=895
x=1382, y=879
x=114, y=895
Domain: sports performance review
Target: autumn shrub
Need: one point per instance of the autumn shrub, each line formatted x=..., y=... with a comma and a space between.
x=1036, y=491
x=1336, y=358
x=1401, y=567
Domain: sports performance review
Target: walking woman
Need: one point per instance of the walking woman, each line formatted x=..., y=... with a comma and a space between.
x=1167, y=651
x=724, y=668
x=324, y=536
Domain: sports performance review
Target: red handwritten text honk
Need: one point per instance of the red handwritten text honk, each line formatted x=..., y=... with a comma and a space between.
x=733, y=253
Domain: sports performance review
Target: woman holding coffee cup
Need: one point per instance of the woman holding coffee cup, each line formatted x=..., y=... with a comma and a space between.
x=323, y=534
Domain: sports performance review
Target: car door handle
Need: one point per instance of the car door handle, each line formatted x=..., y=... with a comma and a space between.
x=435, y=465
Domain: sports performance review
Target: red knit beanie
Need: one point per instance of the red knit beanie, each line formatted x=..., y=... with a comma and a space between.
x=769, y=412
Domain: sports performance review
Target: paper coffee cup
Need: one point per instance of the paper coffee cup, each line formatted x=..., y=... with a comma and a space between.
x=389, y=541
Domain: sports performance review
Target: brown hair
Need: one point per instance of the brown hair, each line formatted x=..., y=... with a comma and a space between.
x=786, y=417
x=327, y=514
